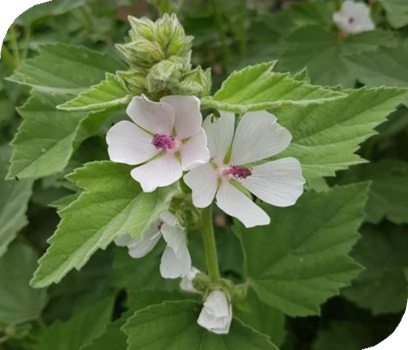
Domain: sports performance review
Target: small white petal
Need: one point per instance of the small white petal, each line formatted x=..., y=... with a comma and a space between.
x=258, y=137
x=203, y=182
x=174, y=266
x=353, y=18
x=279, y=183
x=216, y=315
x=175, y=237
x=188, y=117
x=160, y=172
x=155, y=117
x=169, y=218
x=194, y=152
x=129, y=144
x=233, y=202
x=139, y=249
x=186, y=283
x=219, y=135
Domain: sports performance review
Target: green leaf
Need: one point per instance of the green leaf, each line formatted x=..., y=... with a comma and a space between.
x=257, y=88
x=263, y=318
x=324, y=55
x=312, y=13
x=44, y=142
x=114, y=338
x=342, y=335
x=112, y=204
x=381, y=287
x=295, y=268
x=109, y=93
x=65, y=69
x=397, y=13
x=18, y=301
x=43, y=11
x=388, y=196
x=79, y=331
x=173, y=326
x=325, y=137
x=385, y=66
x=13, y=206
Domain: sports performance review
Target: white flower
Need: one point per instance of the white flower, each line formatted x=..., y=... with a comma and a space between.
x=353, y=18
x=186, y=283
x=257, y=137
x=165, y=139
x=216, y=315
x=176, y=260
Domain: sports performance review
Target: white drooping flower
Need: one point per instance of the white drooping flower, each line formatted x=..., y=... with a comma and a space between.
x=176, y=260
x=186, y=283
x=164, y=139
x=353, y=18
x=216, y=315
x=234, y=165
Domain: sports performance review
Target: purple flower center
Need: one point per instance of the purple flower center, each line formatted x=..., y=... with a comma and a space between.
x=351, y=20
x=164, y=142
x=239, y=172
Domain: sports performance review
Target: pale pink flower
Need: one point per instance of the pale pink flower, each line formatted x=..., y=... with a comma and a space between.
x=164, y=139
x=216, y=315
x=176, y=259
x=235, y=166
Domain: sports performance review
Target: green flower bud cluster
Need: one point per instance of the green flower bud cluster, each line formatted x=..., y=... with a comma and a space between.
x=159, y=55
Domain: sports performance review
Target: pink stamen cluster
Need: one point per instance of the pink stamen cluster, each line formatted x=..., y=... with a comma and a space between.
x=163, y=142
x=239, y=172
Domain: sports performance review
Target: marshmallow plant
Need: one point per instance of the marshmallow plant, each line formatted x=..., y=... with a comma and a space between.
x=257, y=151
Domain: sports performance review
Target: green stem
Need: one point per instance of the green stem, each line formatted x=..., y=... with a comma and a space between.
x=14, y=46
x=209, y=243
x=26, y=43
x=7, y=57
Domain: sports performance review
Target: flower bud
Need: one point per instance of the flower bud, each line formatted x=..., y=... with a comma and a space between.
x=216, y=315
x=135, y=80
x=142, y=53
x=165, y=75
x=142, y=28
x=171, y=35
x=196, y=82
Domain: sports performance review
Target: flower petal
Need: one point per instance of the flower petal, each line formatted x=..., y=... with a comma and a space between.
x=219, y=135
x=258, y=136
x=194, y=152
x=216, y=315
x=175, y=265
x=279, y=183
x=175, y=237
x=203, y=182
x=129, y=144
x=186, y=283
x=139, y=249
x=188, y=117
x=169, y=218
x=160, y=172
x=233, y=202
x=155, y=117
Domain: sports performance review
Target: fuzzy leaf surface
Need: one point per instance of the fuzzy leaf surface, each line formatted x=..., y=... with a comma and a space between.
x=296, y=267
x=65, y=69
x=173, y=326
x=258, y=87
x=325, y=137
x=112, y=204
x=107, y=94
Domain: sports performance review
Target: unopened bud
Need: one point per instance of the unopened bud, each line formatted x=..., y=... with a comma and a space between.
x=142, y=28
x=197, y=82
x=165, y=75
x=142, y=53
x=135, y=80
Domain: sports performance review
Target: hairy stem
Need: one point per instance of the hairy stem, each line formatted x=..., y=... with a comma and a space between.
x=209, y=243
